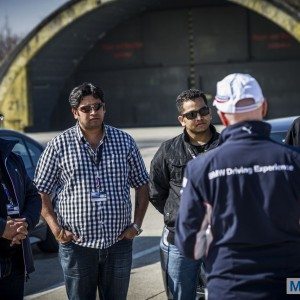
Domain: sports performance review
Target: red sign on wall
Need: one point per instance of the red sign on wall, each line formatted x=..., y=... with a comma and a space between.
x=124, y=50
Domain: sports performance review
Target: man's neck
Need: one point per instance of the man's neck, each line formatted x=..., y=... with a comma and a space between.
x=93, y=136
x=201, y=138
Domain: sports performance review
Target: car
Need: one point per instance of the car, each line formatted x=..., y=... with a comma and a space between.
x=30, y=151
x=279, y=128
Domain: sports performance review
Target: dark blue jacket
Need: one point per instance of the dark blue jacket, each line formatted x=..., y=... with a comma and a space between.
x=26, y=195
x=253, y=186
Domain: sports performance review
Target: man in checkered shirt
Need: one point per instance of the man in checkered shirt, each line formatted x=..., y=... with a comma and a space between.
x=91, y=168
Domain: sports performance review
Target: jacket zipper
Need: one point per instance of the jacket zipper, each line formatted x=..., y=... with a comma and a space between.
x=12, y=183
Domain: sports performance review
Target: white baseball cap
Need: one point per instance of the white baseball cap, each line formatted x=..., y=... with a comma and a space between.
x=234, y=88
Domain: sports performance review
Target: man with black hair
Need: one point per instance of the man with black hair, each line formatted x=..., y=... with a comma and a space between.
x=91, y=167
x=166, y=174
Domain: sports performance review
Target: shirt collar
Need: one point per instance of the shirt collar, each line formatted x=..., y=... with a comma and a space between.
x=81, y=137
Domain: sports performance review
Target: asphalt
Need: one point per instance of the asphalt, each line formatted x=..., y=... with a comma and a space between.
x=146, y=136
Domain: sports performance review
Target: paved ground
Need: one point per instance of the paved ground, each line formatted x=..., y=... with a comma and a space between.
x=146, y=136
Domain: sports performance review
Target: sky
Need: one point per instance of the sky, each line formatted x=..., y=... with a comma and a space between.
x=24, y=15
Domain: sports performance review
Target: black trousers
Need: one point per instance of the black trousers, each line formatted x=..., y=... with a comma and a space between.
x=12, y=285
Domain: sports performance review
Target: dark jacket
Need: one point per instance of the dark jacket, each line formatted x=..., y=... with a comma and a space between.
x=166, y=173
x=25, y=194
x=253, y=186
x=293, y=134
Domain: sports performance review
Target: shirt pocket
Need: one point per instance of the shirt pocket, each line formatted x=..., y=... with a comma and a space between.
x=177, y=168
x=116, y=167
x=71, y=171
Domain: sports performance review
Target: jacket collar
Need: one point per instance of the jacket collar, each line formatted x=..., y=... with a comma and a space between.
x=6, y=147
x=215, y=135
x=246, y=129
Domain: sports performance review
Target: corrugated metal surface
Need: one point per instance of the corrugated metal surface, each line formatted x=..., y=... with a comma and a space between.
x=142, y=81
x=144, y=52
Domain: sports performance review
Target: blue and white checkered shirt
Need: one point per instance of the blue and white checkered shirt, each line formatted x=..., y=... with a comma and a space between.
x=69, y=167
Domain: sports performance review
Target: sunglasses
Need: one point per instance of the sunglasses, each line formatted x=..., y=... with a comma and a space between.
x=191, y=115
x=88, y=108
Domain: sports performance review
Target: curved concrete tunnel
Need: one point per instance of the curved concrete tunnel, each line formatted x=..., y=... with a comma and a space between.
x=143, y=53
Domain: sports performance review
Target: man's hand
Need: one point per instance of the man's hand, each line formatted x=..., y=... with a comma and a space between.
x=15, y=230
x=65, y=236
x=61, y=235
x=129, y=233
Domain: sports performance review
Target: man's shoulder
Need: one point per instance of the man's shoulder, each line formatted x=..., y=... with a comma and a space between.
x=172, y=141
x=297, y=121
x=296, y=124
x=117, y=133
x=122, y=138
x=292, y=150
x=64, y=136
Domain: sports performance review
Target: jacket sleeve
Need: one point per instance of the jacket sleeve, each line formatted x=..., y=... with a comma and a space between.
x=32, y=200
x=159, y=180
x=293, y=134
x=190, y=216
x=2, y=226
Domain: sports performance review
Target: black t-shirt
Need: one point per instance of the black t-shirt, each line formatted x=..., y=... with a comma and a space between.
x=201, y=148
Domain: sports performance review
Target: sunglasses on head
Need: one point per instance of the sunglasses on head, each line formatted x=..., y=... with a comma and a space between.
x=88, y=108
x=191, y=115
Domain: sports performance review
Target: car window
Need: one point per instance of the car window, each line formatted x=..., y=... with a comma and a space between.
x=34, y=151
x=21, y=150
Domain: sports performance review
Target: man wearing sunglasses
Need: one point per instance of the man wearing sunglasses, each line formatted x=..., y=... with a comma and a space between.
x=92, y=167
x=166, y=174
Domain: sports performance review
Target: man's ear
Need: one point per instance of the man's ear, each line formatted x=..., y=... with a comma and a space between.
x=223, y=118
x=75, y=113
x=181, y=121
x=264, y=108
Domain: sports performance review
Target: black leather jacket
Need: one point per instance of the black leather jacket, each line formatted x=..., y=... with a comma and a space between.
x=167, y=170
x=25, y=193
x=293, y=134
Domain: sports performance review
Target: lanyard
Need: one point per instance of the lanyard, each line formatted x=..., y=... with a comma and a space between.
x=192, y=153
x=7, y=193
x=95, y=160
x=98, y=181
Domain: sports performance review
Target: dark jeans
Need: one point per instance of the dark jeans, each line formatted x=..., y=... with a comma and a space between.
x=85, y=269
x=12, y=286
